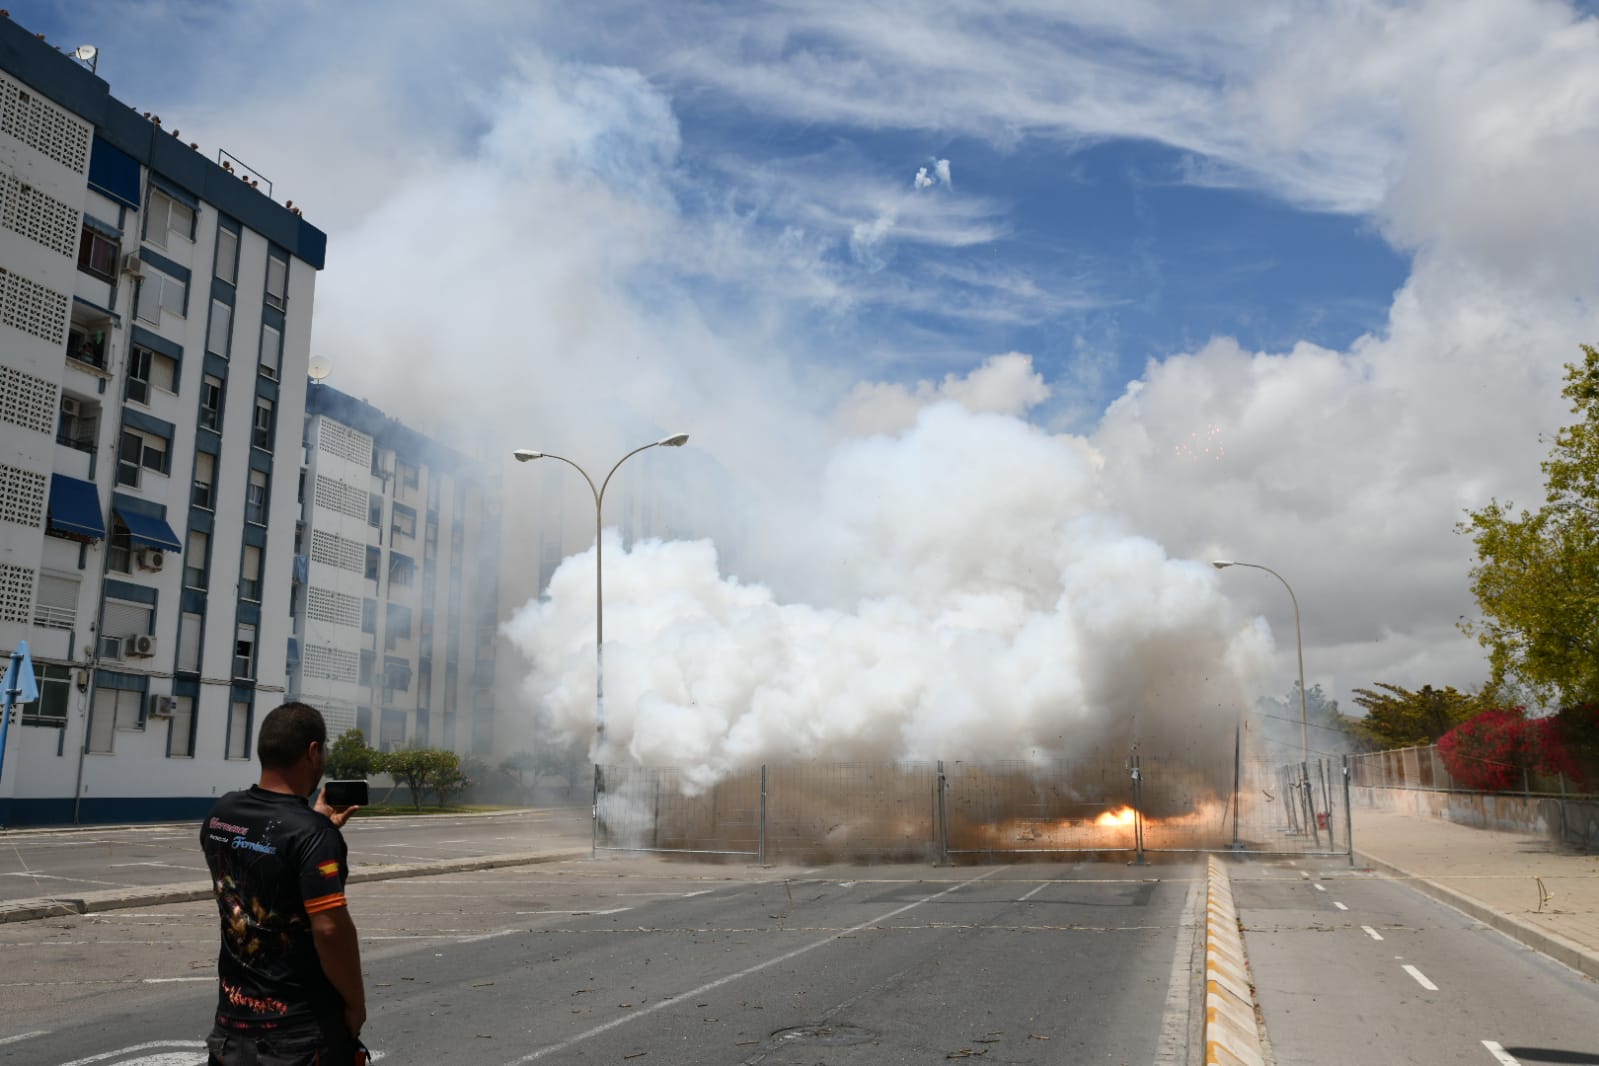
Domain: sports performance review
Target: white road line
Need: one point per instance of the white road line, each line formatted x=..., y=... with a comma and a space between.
x=1421, y=978
x=693, y=993
x=1320, y=887
x=23, y=1036
x=168, y=1045
x=1340, y=906
x=54, y=877
x=177, y=980
x=1034, y=892
x=1172, y=1049
x=1372, y=932
x=1505, y=1058
x=163, y=865
x=613, y=910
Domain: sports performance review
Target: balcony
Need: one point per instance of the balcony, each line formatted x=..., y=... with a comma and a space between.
x=55, y=617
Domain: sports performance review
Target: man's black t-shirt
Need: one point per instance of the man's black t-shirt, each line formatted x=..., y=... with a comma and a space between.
x=274, y=862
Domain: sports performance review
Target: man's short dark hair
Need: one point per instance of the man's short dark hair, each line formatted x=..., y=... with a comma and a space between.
x=287, y=732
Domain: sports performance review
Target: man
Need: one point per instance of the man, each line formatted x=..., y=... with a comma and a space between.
x=290, y=991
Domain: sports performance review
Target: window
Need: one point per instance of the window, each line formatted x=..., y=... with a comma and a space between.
x=194, y=562
x=205, y=475
x=80, y=423
x=271, y=351
x=166, y=219
x=374, y=562
x=369, y=616
x=244, y=652
x=402, y=571
x=255, y=498
x=114, y=709
x=396, y=677
x=409, y=475
x=402, y=521
x=277, y=282
x=261, y=436
x=374, y=516
x=397, y=626
x=211, y=402
x=159, y=292
x=221, y=328
x=119, y=549
x=227, y=265
x=250, y=574
x=180, y=734
x=97, y=254
x=190, y=628
x=367, y=659
x=238, y=730
x=55, y=693
x=87, y=344
x=147, y=368
x=140, y=451
x=430, y=543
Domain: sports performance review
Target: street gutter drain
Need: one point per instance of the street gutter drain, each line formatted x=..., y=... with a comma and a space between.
x=827, y=1035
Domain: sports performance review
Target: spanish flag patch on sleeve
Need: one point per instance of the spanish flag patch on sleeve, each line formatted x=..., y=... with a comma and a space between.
x=329, y=868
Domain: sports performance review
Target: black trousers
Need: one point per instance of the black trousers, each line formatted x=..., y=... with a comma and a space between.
x=300, y=1046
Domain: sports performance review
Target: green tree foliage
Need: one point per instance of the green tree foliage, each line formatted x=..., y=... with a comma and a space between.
x=1330, y=731
x=424, y=770
x=1399, y=718
x=349, y=757
x=1537, y=575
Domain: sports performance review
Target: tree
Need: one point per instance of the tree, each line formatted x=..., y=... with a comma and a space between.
x=421, y=769
x=1399, y=718
x=1536, y=580
x=1329, y=729
x=349, y=757
x=451, y=776
x=1491, y=750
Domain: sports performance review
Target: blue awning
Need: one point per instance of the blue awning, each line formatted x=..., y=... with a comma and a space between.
x=75, y=508
x=150, y=532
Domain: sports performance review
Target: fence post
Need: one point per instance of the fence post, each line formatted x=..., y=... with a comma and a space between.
x=1349, y=816
x=1309, y=798
x=594, y=821
x=1326, y=800
x=1138, y=815
x=1238, y=741
x=760, y=856
x=943, y=816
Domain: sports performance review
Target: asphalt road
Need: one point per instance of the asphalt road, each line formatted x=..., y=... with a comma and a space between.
x=652, y=961
x=63, y=863
x=1352, y=968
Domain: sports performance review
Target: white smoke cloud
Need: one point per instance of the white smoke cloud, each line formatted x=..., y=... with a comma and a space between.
x=1003, y=384
x=999, y=611
x=922, y=180
x=941, y=168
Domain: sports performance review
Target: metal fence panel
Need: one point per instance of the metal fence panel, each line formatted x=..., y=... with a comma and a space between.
x=826, y=812
x=1025, y=808
x=641, y=808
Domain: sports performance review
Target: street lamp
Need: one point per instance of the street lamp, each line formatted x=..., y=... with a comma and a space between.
x=1299, y=643
x=526, y=455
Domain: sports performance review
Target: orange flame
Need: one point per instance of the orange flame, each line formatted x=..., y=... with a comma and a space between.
x=1121, y=816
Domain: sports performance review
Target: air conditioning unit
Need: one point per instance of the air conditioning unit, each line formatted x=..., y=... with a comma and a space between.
x=162, y=706
x=132, y=264
x=152, y=559
x=138, y=646
x=71, y=406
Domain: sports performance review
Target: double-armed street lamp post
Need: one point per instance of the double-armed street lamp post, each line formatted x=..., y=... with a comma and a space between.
x=524, y=455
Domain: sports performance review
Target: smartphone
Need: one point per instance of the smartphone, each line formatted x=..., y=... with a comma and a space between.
x=345, y=793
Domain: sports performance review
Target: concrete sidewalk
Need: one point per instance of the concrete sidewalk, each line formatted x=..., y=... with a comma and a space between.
x=1495, y=877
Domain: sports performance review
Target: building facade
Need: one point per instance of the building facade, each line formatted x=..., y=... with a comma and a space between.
x=153, y=304
x=396, y=590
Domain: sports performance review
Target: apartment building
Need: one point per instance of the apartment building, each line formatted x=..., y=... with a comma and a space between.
x=396, y=587
x=153, y=303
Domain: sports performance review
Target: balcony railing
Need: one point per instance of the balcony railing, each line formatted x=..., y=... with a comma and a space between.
x=55, y=617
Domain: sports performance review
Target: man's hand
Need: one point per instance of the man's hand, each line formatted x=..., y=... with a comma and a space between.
x=337, y=815
x=355, y=1018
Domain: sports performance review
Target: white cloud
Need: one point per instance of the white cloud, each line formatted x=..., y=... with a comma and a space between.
x=1003, y=384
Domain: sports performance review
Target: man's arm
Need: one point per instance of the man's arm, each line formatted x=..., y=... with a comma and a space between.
x=339, y=949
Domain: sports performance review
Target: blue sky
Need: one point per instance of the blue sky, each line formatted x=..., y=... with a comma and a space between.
x=1345, y=246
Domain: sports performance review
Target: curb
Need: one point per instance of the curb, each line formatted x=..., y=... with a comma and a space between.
x=188, y=891
x=1584, y=960
x=1231, y=1034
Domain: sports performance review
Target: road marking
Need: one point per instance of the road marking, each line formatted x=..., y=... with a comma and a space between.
x=176, y=980
x=55, y=877
x=1173, y=1047
x=1034, y=892
x=671, y=1001
x=163, y=865
x=613, y=910
x=23, y=1036
x=1500, y=1053
x=1421, y=978
x=1340, y=906
x=187, y=1045
x=1372, y=932
x=1320, y=887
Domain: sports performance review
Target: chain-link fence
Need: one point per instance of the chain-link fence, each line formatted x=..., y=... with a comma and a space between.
x=958, y=811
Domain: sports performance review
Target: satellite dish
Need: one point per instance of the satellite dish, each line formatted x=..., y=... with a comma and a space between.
x=319, y=367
